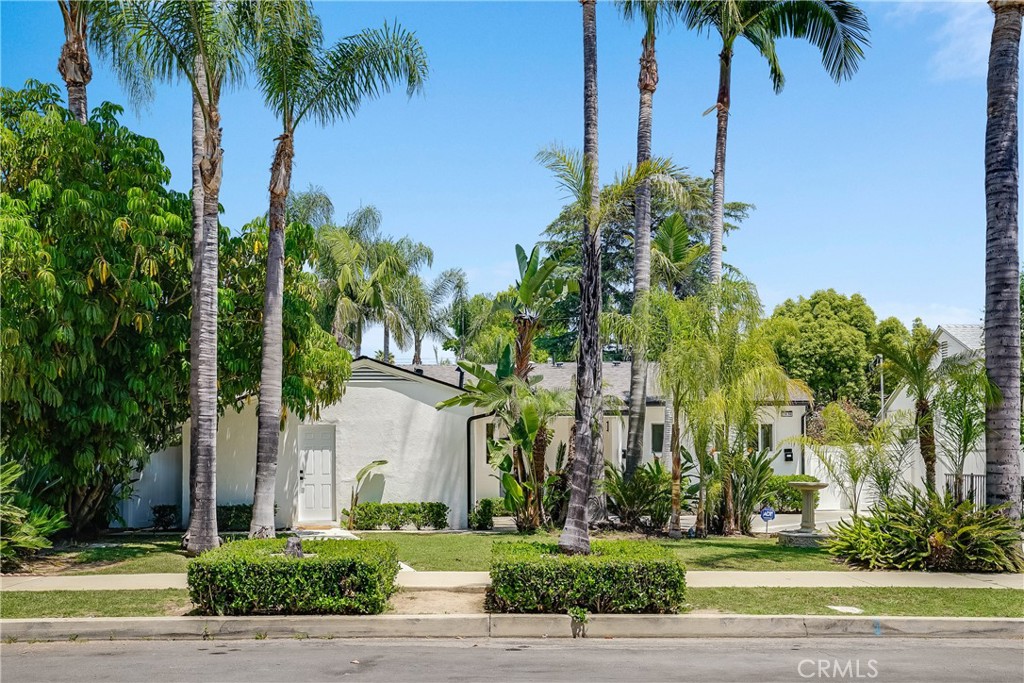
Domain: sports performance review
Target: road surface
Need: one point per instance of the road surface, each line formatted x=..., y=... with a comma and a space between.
x=727, y=660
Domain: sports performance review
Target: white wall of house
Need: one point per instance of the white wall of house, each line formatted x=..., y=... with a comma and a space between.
x=159, y=483
x=386, y=414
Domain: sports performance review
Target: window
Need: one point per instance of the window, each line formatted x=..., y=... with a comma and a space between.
x=657, y=437
x=767, y=437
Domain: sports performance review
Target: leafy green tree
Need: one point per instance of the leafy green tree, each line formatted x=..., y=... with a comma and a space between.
x=425, y=307
x=838, y=29
x=301, y=80
x=95, y=269
x=826, y=342
x=1002, y=260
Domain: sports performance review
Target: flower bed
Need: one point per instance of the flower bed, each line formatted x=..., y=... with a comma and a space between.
x=632, y=577
x=256, y=577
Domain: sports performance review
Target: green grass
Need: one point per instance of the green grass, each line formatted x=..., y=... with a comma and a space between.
x=923, y=602
x=131, y=603
x=131, y=555
x=949, y=602
x=472, y=552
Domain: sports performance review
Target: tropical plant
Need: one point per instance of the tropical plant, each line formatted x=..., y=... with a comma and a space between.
x=923, y=531
x=95, y=271
x=1002, y=262
x=751, y=485
x=424, y=307
x=960, y=407
x=838, y=28
x=531, y=300
x=26, y=523
x=300, y=80
x=891, y=443
x=202, y=43
x=642, y=500
x=912, y=363
x=362, y=474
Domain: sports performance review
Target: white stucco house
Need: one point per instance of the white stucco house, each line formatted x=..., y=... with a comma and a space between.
x=388, y=412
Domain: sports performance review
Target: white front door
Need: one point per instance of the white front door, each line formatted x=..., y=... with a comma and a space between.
x=316, y=473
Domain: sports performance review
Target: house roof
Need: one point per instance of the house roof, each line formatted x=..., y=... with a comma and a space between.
x=614, y=378
x=971, y=336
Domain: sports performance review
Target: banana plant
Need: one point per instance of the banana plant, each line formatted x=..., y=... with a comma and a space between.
x=360, y=476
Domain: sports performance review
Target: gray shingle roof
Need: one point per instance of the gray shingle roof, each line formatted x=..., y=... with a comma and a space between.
x=615, y=378
x=971, y=336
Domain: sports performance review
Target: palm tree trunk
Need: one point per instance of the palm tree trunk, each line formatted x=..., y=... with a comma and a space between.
x=647, y=83
x=718, y=193
x=269, y=418
x=674, y=528
x=417, y=352
x=387, y=343
x=74, y=65
x=202, y=529
x=575, y=538
x=525, y=333
x=729, y=518
x=926, y=438
x=1002, y=265
x=539, y=464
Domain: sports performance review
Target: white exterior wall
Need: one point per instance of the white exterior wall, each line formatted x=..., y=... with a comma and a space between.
x=159, y=483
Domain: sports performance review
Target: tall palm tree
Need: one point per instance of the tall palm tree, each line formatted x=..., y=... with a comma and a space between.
x=651, y=13
x=74, y=65
x=424, y=307
x=1002, y=265
x=301, y=80
x=574, y=173
x=201, y=42
x=910, y=362
x=838, y=28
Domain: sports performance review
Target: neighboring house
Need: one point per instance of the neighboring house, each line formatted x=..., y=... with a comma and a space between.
x=388, y=412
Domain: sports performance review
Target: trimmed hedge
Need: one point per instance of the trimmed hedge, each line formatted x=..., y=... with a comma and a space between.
x=396, y=515
x=482, y=517
x=235, y=517
x=166, y=517
x=783, y=497
x=256, y=577
x=631, y=577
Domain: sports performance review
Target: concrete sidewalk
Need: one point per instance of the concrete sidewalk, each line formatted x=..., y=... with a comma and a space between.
x=477, y=581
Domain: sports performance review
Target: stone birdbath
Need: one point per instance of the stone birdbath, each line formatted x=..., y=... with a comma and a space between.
x=807, y=536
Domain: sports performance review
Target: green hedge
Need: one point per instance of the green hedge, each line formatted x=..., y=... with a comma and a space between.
x=618, y=577
x=396, y=515
x=783, y=497
x=255, y=577
x=482, y=517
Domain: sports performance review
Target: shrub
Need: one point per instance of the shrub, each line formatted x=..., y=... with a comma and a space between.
x=923, y=531
x=643, y=500
x=751, y=476
x=167, y=517
x=25, y=523
x=482, y=517
x=256, y=577
x=618, y=577
x=784, y=498
x=396, y=515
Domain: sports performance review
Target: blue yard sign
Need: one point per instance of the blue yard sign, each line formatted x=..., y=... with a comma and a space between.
x=767, y=514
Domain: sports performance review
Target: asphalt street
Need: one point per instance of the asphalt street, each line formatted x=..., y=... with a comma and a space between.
x=726, y=660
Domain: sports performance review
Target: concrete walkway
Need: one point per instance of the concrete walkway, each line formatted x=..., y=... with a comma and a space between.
x=475, y=581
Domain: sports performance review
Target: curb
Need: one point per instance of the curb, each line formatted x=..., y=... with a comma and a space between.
x=507, y=626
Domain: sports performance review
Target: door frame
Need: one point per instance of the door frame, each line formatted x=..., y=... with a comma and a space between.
x=334, y=474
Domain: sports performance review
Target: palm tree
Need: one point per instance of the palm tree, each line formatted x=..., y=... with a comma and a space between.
x=574, y=174
x=424, y=310
x=202, y=43
x=532, y=301
x=838, y=28
x=910, y=363
x=651, y=12
x=1002, y=264
x=301, y=80
x=74, y=65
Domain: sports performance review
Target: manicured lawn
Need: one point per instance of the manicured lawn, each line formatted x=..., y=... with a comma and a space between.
x=952, y=602
x=923, y=602
x=115, y=555
x=472, y=552
x=135, y=603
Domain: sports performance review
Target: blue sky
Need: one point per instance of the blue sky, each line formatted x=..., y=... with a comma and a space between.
x=874, y=186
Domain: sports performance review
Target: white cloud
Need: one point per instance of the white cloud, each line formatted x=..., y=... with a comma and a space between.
x=961, y=39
